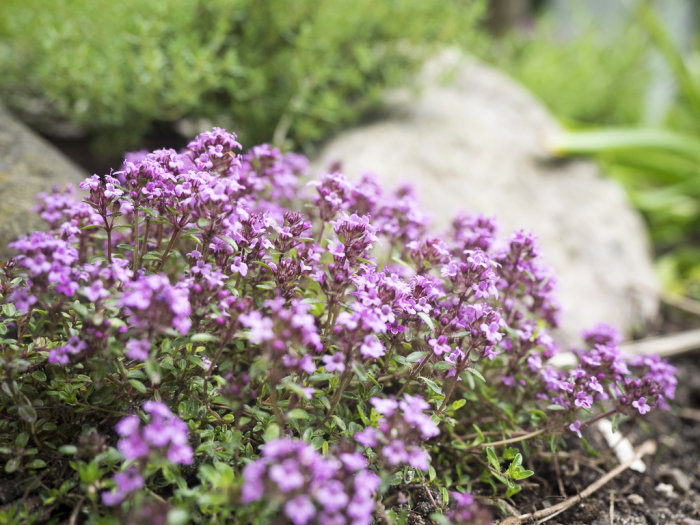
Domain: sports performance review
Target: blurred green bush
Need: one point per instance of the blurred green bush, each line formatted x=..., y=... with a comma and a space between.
x=293, y=70
x=584, y=77
x=659, y=166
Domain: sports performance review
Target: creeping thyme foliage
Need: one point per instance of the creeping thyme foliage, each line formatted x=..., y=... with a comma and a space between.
x=209, y=335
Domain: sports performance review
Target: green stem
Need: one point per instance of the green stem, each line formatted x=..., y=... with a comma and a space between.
x=415, y=373
x=135, y=232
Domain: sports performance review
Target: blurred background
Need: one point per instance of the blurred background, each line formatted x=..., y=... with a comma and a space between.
x=98, y=78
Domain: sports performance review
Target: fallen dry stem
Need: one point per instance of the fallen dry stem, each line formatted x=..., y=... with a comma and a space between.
x=648, y=447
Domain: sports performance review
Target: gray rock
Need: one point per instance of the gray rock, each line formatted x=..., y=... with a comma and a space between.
x=28, y=165
x=472, y=139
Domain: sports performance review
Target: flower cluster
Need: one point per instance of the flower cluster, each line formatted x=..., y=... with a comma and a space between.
x=164, y=435
x=310, y=487
x=402, y=429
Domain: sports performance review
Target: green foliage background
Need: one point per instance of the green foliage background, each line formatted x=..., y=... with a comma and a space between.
x=293, y=70
x=586, y=77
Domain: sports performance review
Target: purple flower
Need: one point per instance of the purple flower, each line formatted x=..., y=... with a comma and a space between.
x=418, y=458
x=335, y=362
x=332, y=496
x=576, y=427
x=367, y=438
x=353, y=461
x=253, y=487
x=439, y=345
x=300, y=510
x=127, y=482
x=62, y=354
x=287, y=475
x=372, y=347
x=260, y=327
x=165, y=434
x=395, y=452
x=641, y=405
x=138, y=349
x=385, y=407
x=153, y=302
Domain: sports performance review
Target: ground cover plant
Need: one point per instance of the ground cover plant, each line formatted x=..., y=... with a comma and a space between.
x=293, y=72
x=211, y=336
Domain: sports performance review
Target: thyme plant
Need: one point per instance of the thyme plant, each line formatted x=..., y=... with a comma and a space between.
x=207, y=336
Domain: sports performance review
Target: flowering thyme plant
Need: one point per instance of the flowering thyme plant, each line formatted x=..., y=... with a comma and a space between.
x=206, y=336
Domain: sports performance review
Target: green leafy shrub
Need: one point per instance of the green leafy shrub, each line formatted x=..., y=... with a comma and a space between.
x=590, y=77
x=206, y=336
x=296, y=70
x=659, y=167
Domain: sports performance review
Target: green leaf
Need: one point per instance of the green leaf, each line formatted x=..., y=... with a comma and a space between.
x=22, y=439
x=138, y=386
x=12, y=464
x=493, y=458
x=432, y=385
x=272, y=432
x=621, y=139
x=341, y=424
x=477, y=374
x=9, y=309
x=415, y=356
x=459, y=403
x=27, y=413
x=510, y=453
x=298, y=413
x=203, y=338
x=68, y=450
x=37, y=463
x=427, y=320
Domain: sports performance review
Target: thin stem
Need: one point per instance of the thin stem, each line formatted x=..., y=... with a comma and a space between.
x=415, y=373
x=511, y=440
x=135, y=232
x=171, y=243
x=144, y=247
x=275, y=406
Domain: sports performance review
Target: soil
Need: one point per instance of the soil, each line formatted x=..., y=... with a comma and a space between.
x=667, y=493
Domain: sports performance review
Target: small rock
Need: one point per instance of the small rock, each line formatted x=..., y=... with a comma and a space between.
x=635, y=499
x=690, y=521
x=665, y=489
x=676, y=477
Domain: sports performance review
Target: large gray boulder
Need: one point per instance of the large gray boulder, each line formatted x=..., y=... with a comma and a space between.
x=472, y=139
x=28, y=165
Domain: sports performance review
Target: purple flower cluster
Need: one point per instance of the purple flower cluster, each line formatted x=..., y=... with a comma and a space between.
x=164, y=435
x=309, y=487
x=633, y=383
x=402, y=428
x=50, y=265
x=154, y=305
x=464, y=509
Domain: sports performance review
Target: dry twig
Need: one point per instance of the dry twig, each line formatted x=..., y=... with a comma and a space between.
x=665, y=345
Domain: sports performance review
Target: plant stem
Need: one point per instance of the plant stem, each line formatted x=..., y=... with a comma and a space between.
x=511, y=440
x=135, y=232
x=415, y=373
